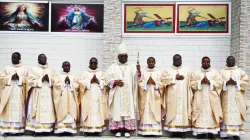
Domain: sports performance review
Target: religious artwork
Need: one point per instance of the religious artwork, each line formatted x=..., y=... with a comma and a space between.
x=77, y=17
x=203, y=18
x=24, y=16
x=149, y=18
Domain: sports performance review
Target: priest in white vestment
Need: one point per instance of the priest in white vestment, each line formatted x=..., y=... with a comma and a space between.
x=66, y=102
x=207, y=111
x=122, y=78
x=41, y=114
x=233, y=100
x=150, y=93
x=92, y=99
x=178, y=98
x=12, y=106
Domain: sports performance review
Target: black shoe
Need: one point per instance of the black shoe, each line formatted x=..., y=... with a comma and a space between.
x=183, y=135
x=20, y=134
x=173, y=135
x=34, y=134
x=96, y=134
x=201, y=136
x=5, y=135
x=211, y=136
x=236, y=137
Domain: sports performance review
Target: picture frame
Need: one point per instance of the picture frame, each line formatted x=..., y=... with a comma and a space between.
x=26, y=17
x=75, y=18
x=148, y=19
x=203, y=18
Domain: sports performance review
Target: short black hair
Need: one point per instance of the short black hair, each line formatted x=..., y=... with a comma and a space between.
x=65, y=62
x=93, y=58
x=17, y=53
x=151, y=58
x=205, y=57
x=231, y=57
x=176, y=55
x=41, y=55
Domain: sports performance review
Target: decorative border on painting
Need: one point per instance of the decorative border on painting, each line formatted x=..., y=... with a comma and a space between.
x=27, y=32
x=173, y=18
x=205, y=33
x=93, y=34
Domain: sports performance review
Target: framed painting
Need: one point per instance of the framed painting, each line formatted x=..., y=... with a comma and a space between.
x=80, y=18
x=24, y=17
x=149, y=18
x=203, y=18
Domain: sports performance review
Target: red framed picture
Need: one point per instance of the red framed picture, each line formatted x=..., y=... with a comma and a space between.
x=203, y=18
x=149, y=18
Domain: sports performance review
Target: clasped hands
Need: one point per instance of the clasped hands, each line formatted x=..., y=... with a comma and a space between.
x=205, y=81
x=45, y=78
x=151, y=81
x=94, y=80
x=15, y=77
x=231, y=82
x=179, y=77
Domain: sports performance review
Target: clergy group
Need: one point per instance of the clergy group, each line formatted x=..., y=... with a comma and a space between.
x=206, y=102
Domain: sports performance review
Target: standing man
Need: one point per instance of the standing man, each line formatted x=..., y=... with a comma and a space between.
x=12, y=106
x=66, y=102
x=207, y=111
x=178, y=96
x=122, y=78
x=41, y=113
x=92, y=99
x=150, y=92
x=233, y=100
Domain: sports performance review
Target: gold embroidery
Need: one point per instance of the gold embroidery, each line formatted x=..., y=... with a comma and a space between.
x=95, y=112
x=232, y=130
x=39, y=127
x=216, y=127
x=61, y=127
x=46, y=107
x=150, y=130
x=206, y=119
x=125, y=100
x=11, y=128
x=181, y=127
x=99, y=127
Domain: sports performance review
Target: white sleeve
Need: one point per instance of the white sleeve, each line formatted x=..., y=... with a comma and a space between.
x=225, y=86
x=9, y=81
x=146, y=86
x=89, y=85
x=238, y=85
x=199, y=85
x=100, y=84
x=156, y=86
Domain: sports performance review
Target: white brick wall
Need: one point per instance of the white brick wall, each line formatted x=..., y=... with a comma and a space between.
x=75, y=49
x=192, y=49
x=78, y=50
